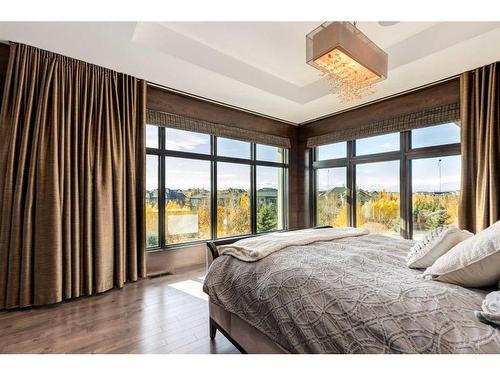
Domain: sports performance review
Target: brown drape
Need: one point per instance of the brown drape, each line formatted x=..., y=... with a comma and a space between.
x=480, y=119
x=71, y=179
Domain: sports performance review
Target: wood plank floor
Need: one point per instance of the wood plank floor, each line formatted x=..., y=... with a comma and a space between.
x=163, y=315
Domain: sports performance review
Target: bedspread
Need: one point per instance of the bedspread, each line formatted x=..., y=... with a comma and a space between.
x=351, y=295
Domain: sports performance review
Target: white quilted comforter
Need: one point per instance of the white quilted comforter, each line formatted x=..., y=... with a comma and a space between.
x=255, y=248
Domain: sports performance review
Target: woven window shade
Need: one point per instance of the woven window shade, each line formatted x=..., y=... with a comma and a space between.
x=429, y=117
x=171, y=120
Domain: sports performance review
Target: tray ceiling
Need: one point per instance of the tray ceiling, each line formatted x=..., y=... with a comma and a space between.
x=260, y=66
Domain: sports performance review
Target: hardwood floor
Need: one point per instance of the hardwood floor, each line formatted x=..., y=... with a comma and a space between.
x=162, y=315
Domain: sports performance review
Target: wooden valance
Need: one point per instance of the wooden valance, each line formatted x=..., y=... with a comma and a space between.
x=171, y=120
x=428, y=117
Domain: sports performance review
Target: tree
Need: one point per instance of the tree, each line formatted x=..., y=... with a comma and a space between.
x=204, y=218
x=233, y=213
x=266, y=218
x=151, y=224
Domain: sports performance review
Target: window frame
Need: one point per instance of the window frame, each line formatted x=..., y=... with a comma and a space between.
x=284, y=185
x=314, y=211
x=214, y=158
x=405, y=155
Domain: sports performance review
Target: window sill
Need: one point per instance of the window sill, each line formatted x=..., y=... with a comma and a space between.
x=203, y=242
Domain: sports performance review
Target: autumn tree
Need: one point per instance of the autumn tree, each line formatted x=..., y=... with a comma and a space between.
x=233, y=213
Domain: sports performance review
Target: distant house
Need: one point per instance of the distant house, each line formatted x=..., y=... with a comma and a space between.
x=179, y=196
x=228, y=194
x=175, y=195
x=152, y=196
x=363, y=196
x=267, y=196
x=337, y=191
x=195, y=200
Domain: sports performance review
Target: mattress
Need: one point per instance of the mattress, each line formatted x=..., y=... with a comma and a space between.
x=352, y=295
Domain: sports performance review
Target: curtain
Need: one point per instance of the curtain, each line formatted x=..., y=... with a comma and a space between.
x=480, y=133
x=72, y=157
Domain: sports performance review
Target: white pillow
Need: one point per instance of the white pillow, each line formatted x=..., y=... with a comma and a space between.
x=473, y=263
x=436, y=243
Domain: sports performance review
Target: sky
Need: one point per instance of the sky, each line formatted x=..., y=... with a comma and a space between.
x=188, y=173
x=385, y=176
x=424, y=137
x=185, y=174
x=426, y=174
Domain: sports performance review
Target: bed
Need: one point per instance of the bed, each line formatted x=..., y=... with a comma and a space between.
x=349, y=295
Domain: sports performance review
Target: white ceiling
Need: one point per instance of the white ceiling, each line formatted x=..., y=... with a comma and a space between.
x=260, y=66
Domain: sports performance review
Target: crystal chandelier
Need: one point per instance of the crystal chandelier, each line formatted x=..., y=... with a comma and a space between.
x=350, y=61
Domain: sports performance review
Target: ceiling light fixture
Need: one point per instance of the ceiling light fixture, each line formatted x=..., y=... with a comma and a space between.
x=351, y=62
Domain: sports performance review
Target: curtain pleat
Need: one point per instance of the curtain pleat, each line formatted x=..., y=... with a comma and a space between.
x=72, y=154
x=480, y=132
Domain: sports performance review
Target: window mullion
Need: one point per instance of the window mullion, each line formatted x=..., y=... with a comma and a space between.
x=185, y=157
x=351, y=183
x=313, y=196
x=286, y=197
x=409, y=163
x=405, y=187
x=213, y=184
x=409, y=189
x=161, y=193
x=253, y=190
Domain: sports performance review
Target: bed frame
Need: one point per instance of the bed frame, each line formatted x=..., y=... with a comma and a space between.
x=246, y=338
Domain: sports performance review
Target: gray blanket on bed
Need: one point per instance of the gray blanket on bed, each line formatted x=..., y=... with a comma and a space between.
x=353, y=295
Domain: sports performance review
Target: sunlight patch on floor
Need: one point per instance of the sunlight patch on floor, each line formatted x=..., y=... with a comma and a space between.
x=190, y=287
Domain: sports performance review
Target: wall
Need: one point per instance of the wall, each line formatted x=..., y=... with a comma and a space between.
x=159, y=99
x=299, y=205
x=175, y=260
x=437, y=95
x=167, y=101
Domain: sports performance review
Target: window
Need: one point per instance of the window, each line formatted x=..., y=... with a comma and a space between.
x=436, y=135
x=233, y=148
x=201, y=187
x=187, y=200
x=377, y=197
x=422, y=163
x=151, y=136
x=233, y=199
x=270, y=192
x=378, y=144
x=331, y=199
x=332, y=151
x=270, y=153
x=181, y=140
x=436, y=191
